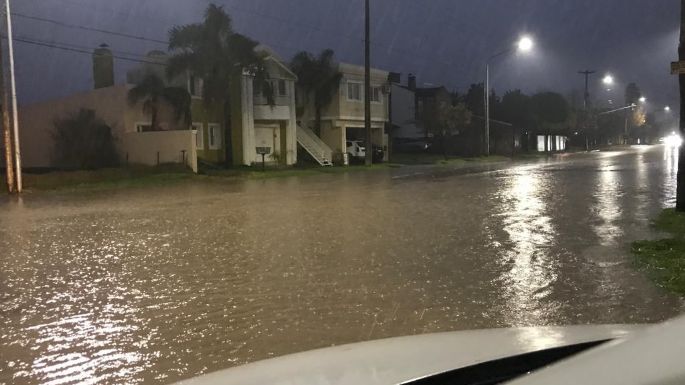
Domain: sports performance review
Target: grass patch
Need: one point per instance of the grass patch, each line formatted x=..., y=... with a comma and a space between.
x=297, y=171
x=141, y=176
x=112, y=178
x=664, y=259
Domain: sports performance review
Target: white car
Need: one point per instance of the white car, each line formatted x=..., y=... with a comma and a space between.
x=356, y=149
x=609, y=354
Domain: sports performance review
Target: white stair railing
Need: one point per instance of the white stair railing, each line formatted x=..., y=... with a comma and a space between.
x=314, y=146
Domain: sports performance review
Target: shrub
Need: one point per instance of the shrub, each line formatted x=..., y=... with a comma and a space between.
x=84, y=141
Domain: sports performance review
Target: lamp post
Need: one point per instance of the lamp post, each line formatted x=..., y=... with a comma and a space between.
x=525, y=44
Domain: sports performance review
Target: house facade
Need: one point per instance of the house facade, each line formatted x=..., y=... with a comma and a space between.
x=343, y=119
x=253, y=123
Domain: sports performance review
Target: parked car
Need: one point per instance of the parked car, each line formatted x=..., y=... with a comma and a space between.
x=356, y=149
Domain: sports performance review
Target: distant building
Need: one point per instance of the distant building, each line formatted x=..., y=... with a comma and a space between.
x=429, y=101
x=405, y=125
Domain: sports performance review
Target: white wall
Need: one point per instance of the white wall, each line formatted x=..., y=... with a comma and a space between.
x=403, y=111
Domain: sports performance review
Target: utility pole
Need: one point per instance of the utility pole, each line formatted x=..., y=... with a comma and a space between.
x=586, y=95
x=367, y=87
x=7, y=134
x=13, y=83
x=680, y=195
x=586, y=103
x=486, y=92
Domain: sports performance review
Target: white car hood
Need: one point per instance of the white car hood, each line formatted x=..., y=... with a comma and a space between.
x=397, y=360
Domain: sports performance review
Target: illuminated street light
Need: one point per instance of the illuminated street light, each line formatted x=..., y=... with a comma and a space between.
x=643, y=99
x=667, y=109
x=608, y=80
x=524, y=45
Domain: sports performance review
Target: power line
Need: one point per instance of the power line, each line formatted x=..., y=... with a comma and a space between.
x=86, y=28
x=230, y=8
x=81, y=47
x=78, y=50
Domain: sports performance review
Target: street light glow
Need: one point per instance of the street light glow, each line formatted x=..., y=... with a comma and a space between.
x=608, y=80
x=642, y=99
x=667, y=109
x=525, y=44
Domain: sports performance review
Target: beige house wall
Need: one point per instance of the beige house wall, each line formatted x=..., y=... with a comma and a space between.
x=36, y=121
x=160, y=147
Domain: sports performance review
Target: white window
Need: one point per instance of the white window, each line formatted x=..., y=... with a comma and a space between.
x=195, y=86
x=214, y=136
x=354, y=91
x=376, y=95
x=282, y=87
x=199, y=136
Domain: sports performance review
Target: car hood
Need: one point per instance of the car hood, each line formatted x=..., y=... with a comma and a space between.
x=398, y=360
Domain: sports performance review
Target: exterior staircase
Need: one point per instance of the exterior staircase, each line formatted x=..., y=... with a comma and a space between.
x=308, y=140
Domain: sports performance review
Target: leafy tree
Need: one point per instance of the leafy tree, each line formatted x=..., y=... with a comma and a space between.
x=212, y=51
x=152, y=91
x=450, y=118
x=633, y=94
x=549, y=108
x=550, y=111
x=475, y=99
x=318, y=77
x=84, y=141
x=515, y=108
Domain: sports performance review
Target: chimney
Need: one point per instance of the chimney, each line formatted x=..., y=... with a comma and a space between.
x=411, y=82
x=103, y=67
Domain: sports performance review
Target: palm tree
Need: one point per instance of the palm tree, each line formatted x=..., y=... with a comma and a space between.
x=317, y=77
x=152, y=91
x=212, y=51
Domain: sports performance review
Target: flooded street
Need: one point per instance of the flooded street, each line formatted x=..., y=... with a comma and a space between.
x=159, y=284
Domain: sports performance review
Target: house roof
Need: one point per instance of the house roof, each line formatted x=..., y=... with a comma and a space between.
x=431, y=91
x=275, y=62
x=354, y=69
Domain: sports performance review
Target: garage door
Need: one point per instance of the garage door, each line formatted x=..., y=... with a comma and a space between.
x=267, y=136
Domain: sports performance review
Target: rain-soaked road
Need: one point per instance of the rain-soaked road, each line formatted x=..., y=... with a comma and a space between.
x=155, y=285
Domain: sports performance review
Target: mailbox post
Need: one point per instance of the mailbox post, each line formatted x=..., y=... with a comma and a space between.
x=263, y=151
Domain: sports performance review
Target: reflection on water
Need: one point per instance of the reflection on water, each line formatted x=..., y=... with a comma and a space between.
x=670, y=184
x=157, y=285
x=531, y=268
x=607, y=192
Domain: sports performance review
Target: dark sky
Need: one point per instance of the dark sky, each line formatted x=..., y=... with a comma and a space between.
x=442, y=41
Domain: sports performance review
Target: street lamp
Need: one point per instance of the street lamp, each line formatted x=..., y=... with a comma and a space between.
x=524, y=45
x=667, y=109
x=608, y=80
x=642, y=99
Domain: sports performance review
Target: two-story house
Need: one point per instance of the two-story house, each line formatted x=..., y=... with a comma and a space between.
x=253, y=124
x=343, y=119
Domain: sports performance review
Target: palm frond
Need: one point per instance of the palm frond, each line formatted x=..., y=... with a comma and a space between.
x=184, y=36
x=180, y=101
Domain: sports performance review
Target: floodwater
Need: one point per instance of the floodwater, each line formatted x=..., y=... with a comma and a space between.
x=158, y=284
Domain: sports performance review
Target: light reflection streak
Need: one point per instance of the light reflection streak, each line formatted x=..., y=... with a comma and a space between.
x=83, y=349
x=608, y=190
x=531, y=269
x=670, y=186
